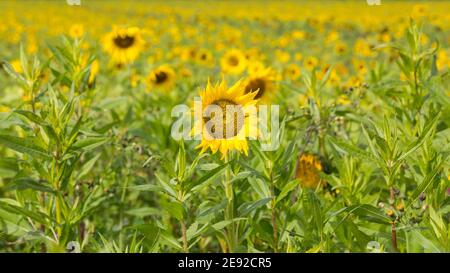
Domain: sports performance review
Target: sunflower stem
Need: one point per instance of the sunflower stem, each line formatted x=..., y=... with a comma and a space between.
x=229, y=210
x=274, y=212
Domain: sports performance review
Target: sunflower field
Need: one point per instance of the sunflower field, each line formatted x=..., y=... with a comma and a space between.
x=89, y=161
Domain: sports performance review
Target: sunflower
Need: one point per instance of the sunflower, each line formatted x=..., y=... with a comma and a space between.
x=162, y=77
x=263, y=82
x=188, y=54
x=123, y=44
x=233, y=62
x=204, y=57
x=340, y=48
x=76, y=31
x=308, y=171
x=292, y=72
x=360, y=67
x=255, y=67
x=311, y=62
x=240, y=127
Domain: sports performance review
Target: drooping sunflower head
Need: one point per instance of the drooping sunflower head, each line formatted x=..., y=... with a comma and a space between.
x=262, y=82
x=227, y=129
x=309, y=167
x=233, y=62
x=123, y=44
x=162, y=77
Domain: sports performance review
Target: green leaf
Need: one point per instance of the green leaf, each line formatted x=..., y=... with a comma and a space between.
x=352, y=150
x=427, y=181
x=143, y=212
x=24, y=183
x=248, y=207
x=170, y=240
x=259, y=187
x=286, y=189
x=315, y=209
x=146, y=187
x=166, y=186
x=180, y=164
x=208, y=176
x=24, y=145
x=11, y=72
x=87, y=167
x=365, y=211
x=31, y=117
x=36, y=216
x=90, y=143
x=175, y=209
x=67, y=112
x=75, y=130
x=222, y=224
x=423, y=137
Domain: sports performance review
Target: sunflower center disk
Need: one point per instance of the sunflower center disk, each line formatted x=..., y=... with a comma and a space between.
x=124, y=41
x=160, y=77
x=233, y=61
x=229, y=124
x=256, y=84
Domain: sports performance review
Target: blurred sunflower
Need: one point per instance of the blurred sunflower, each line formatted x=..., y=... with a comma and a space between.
x=311, y=62
x=76, y=30
x=308, y=171
x=340, y=48
x=123, y=44
x=292, y=72
x=360, y=67
x=204, y=57
x=241, y=126
x=419, y=11
x=188, y=54
x=262, y=82
x=162, y=77
x=282, y=56
x=255, y=67
x=233, y=62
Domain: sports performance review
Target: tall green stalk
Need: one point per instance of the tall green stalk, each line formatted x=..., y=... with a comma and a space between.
x=229, y=210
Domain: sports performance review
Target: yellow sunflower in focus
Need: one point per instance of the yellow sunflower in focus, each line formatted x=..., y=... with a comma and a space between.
x=308, y=171
x=233, y=62
x=263, y=83
x=162, y=77
x=234, y=131
x=123, y=44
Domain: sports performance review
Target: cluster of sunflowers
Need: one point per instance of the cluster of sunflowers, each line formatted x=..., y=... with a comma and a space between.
x=87, y=155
